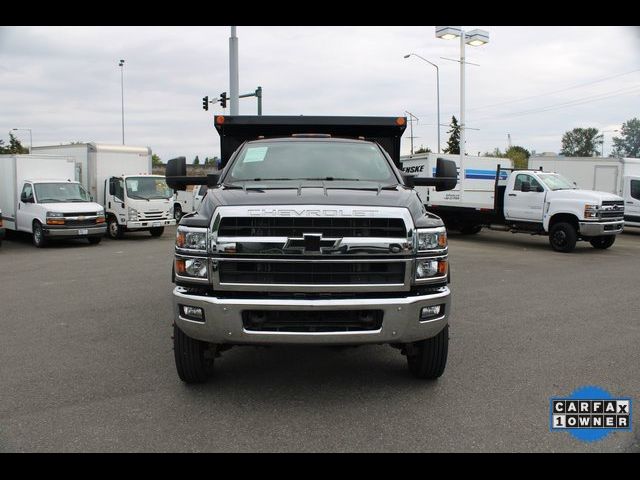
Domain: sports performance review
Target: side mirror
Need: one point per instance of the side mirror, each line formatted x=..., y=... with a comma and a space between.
x=91, y=198
x=526, y=187
x=409, y=180
x=539, y=189
x=446, y=176
x=23, y=197
x=176, y=167
x=112, y=188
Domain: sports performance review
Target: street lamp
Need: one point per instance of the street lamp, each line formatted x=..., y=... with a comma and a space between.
x=121, y=64
x=31, y=138
x=474, y=38
x=437, y=89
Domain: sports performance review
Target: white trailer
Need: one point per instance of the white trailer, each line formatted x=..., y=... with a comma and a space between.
x=620, y=176
x=39, y=195
x=119, y=177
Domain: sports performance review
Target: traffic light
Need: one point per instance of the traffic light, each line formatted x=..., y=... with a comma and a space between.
x=223, y=99
x=205, y=103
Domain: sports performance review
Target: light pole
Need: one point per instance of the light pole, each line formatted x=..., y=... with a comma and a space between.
x=31, y=138
x=601, y=137
x=437, y=89
x=233, y=73
x=121, y=64
x=474, y=38
x=411, y=117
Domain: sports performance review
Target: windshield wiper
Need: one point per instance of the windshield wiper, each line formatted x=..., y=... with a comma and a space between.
x=50, y=200
x=137, y=196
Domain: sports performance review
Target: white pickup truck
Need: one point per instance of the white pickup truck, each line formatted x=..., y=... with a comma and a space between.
x=188, y=201
x=522, y=201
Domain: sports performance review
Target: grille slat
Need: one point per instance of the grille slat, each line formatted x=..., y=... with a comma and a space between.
x=321, y=273
x=297, y=226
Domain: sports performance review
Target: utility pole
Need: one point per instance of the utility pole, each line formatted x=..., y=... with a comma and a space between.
x=233, y=72
x=122, y=94
x=411, y=117
x=509, y=137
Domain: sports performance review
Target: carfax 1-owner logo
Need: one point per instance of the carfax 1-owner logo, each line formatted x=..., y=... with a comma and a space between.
x=590, y=413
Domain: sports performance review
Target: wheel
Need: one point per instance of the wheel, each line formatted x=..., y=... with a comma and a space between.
x=470, y=229
x=177, y=212
x=113, y=228
x=563, y=237
x=157, y=231
x=94, y=240
x=39, y=239
x=194, y=358
x=429, y=357
x=603, y=242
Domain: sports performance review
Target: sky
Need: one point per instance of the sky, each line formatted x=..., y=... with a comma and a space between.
x=534, y=83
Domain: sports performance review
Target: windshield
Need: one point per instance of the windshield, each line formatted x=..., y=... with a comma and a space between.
x=147, y=188
x=61, y=192
x=556, y=182
x=312, y=160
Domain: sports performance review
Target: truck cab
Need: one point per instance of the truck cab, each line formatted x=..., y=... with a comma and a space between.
x=547, y=202
x=138, y=203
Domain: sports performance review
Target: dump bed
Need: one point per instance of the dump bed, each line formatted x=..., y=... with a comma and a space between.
x=234, y=130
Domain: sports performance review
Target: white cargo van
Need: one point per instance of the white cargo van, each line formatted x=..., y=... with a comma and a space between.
x=119, y=177
x=620, y=176
x=40, y=195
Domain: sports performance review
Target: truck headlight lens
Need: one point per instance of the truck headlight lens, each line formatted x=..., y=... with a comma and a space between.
x=55, y=218
x=432, y=239
x=55, y=214
x=591, y=211
x=191, y=267
x=191, y=238
x=430, y=267
x=133, y=214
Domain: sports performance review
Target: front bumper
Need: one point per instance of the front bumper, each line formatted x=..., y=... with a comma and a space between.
x=223, y=319
x=75, y=232
x=150, y=224
x=597, y=229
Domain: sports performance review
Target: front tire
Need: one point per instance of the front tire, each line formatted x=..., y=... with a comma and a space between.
x=429, y=357
x=39, y=239
x=194, y=358
x=157, y=231
x=563, y=237
x=114, y=230
x=602, y=243
x=177, y=212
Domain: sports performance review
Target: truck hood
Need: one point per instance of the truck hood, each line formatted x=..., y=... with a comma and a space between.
x=588, y=196
x=73, y=207
x=315, y=195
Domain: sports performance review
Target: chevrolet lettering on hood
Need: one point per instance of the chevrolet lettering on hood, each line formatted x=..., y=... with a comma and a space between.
x=291, y=212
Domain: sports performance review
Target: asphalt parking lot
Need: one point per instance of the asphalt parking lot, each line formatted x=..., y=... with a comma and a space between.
x=87, y=362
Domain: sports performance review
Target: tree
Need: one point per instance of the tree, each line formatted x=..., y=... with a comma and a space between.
x=519, y=156
x=156, y=161
x=423, y=150
x=14, y=146
x=196, y=161
x=453, y=144
x=628, y=145
x=580, y=142
x=496, y=153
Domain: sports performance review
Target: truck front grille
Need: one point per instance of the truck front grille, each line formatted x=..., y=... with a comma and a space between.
x=312, y=321
x=80, y=223
x=612, y=210
x=297, y=226
x=311, y=273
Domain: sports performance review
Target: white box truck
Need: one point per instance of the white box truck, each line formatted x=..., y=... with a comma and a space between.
x=119, y=177
x=620, y=176
x=39, y=195
x=491, y=195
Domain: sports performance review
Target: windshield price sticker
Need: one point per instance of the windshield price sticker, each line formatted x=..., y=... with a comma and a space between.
x=255, y=154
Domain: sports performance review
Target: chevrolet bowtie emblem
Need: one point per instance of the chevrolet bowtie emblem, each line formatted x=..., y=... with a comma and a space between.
x=312, y=243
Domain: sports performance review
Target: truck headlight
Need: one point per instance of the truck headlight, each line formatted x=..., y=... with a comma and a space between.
x=432, y=239
x=191, y=238
x=133, y=214
x=191, y=267
x=430, y=268
x=55, y=218
x=591, y=211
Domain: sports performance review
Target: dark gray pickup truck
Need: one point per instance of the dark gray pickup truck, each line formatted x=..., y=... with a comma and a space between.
x=310, y=235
